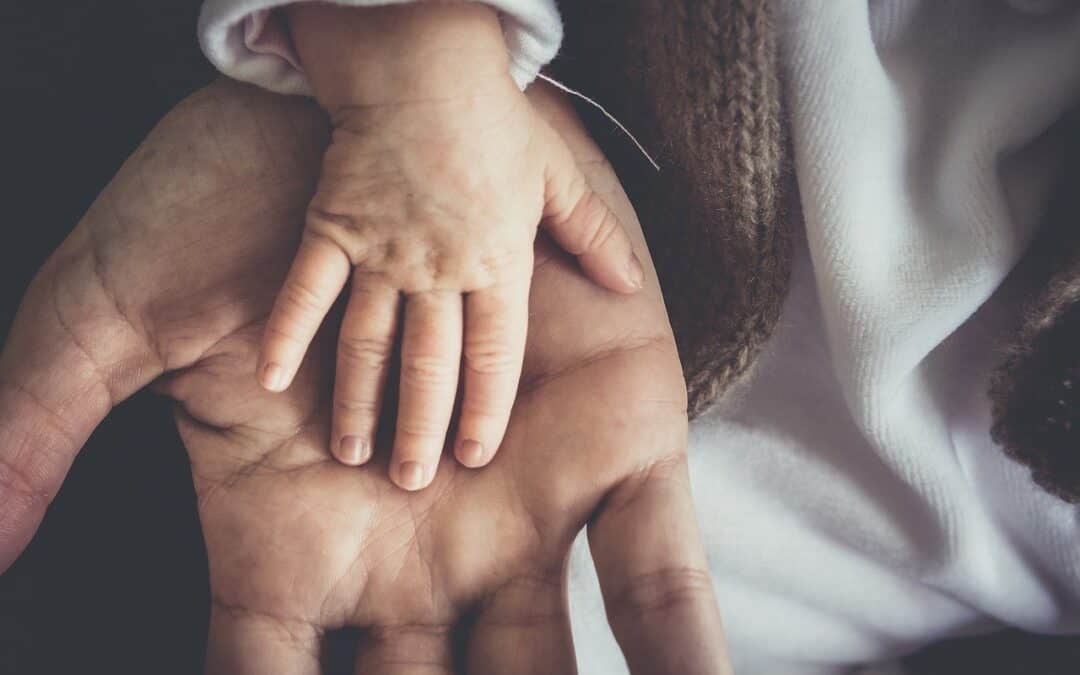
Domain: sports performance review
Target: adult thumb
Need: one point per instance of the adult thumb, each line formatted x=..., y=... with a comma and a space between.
x=69, y=358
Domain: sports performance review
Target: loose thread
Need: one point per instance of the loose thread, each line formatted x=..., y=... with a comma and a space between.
x=616, y=122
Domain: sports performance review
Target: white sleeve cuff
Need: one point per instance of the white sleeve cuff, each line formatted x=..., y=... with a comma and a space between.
x=245, y=40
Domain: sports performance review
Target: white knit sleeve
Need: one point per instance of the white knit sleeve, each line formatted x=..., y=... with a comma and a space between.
x=247, y=40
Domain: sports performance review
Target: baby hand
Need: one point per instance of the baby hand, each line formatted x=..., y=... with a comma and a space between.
x=437, y=176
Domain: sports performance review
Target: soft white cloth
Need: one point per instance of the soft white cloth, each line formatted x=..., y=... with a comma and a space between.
x=853, y=505
x=248, y=41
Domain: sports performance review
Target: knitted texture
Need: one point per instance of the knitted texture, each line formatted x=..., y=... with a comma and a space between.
x=697, y=80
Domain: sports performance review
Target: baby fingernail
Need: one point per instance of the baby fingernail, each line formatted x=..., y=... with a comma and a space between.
x=471, y=453
x=273, y=376
x=411, y=475
x=635, y=272
x=353, y=450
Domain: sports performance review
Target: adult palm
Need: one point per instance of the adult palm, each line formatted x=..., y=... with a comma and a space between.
x=170, y=276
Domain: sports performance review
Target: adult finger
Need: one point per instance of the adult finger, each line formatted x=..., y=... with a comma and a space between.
x=244, y=642
x=412, y=649
x=69, y=358
x=365, y=344
x=430, y=363
x=651, y=565
x=496, y=322
x=315, y=280
x=524, y=629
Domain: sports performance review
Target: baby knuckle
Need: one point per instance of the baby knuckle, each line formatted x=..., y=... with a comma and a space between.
x=349, y=233
x=365, y=351
x=489, y=359
x=424, y=429
x=496, y=266
x=577, y=188
x=427, y=372
x=318, y=218
x=290, y=334
x=301, y=298
x=599, y=224
x=483, y=412
x=356, y=407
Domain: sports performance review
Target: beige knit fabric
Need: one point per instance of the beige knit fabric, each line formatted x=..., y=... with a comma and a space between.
x=697, y=80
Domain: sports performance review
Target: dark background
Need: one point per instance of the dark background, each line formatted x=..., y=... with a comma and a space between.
x=115, y=581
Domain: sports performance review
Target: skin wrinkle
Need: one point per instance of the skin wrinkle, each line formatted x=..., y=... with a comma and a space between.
x=615, y=502
x=419, y=522
x=17, y=481
x=428, y=566
x=362, y=598
x=530, y=384
x=406, y=546
x=484, y=359
x=350, y=570
x=357, y=120
x=207, y=354
x=56, y=420
x=533, y=520
x=433, y=633
x=345, y=111
x=600, y=231
x=250, y=469
x=99, y=375
x=99, y=267
x=658, y=591
x=342, y=220
x=663, y=588
x=284, y=623
x=552, y=580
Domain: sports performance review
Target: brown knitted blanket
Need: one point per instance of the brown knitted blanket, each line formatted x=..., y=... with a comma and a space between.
x=698, y=81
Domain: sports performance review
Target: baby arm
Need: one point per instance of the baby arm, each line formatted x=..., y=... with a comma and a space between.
x=437, y=177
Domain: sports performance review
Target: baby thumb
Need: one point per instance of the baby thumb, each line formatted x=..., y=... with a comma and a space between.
x=582, y=224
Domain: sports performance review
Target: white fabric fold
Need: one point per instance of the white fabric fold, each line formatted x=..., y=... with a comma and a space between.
x=246, y=40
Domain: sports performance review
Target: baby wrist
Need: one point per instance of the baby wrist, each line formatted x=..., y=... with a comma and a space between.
x=377, y=56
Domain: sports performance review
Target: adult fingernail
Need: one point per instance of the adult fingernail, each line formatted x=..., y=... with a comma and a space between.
x=411, y=475
x=635, y=272
x=273, y=377
x=471, y=453
x=353, y=450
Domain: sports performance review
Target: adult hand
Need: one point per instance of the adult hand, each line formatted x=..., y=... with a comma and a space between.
x=184, y=246
x=174, y=269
